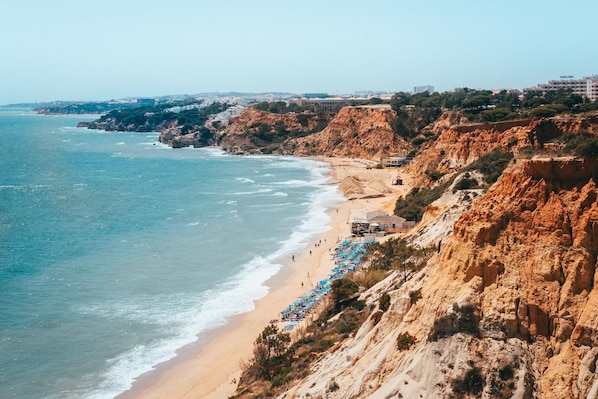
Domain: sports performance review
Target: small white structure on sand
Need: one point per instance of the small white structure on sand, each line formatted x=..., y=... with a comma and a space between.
x=364, y=222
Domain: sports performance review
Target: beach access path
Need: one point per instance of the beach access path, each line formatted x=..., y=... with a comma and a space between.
x=211, y=368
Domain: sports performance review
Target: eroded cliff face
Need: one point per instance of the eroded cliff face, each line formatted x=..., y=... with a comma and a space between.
x=237, y=137
x=304, y=122
x=508, y=305
x=355, y=132
x=460, y=144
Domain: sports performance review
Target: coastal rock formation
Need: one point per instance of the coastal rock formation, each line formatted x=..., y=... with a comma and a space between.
x=507, y=309
x=245, y=133
x=357, y=132
x=113, y=125
x=460, y=144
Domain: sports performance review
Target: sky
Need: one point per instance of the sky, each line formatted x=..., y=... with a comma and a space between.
x=100, y=50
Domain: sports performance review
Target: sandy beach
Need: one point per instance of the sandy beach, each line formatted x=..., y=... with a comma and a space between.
x=211, y=372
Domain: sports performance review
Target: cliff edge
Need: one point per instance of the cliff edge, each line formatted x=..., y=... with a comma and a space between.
x=507, y=309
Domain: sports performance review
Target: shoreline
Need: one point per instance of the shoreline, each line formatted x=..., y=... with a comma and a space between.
x=208, y=367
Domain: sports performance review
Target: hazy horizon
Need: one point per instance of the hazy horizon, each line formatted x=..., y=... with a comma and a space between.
x=91, y=51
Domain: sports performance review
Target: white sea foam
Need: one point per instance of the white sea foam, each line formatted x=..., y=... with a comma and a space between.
x=244, y=180
x=260, y=191
x=188, y=317
x=149, y=284
x=182, y=319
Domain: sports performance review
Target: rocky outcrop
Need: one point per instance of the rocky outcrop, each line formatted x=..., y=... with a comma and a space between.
x=174, y=137
x=245, y=134
x=459, y=144
x=508, y=307
x=113, y=125
x=238, y=125
x=358, y=132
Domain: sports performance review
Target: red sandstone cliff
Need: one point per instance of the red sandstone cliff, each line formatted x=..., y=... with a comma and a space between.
x=304, y=122
x=240, y=134
x=509, y=298
x=357, y=132
x=459, y=144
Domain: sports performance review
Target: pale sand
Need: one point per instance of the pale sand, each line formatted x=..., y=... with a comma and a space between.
x=210, y=372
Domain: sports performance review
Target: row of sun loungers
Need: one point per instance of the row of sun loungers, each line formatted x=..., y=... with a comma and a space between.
x=347, y=256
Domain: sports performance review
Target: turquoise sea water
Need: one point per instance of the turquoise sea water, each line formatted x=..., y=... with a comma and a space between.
x=116, y=250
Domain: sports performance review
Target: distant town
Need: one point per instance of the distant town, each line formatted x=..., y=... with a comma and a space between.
x=586, y=87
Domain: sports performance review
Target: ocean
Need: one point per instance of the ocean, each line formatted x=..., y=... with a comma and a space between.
x=115, y=250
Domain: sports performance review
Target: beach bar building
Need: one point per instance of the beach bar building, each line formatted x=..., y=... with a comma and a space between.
x=359, y=222
x=363, y=222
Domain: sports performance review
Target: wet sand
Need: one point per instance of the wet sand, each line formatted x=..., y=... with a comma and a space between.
x=210, y=367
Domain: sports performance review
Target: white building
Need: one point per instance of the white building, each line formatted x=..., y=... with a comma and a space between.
x=586, y=86
x=368, y=222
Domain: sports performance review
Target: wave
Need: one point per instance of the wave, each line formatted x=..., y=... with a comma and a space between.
x=244, y=180
x=260, y=191
x=24, y=186
x=182, y=318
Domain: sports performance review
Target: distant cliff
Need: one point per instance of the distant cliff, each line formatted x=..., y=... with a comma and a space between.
x=358, y=132
x=181, y=123
x=361, y=132
x=256, y=131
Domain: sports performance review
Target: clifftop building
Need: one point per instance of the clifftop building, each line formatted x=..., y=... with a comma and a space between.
x=421, y=89
x=586, y=86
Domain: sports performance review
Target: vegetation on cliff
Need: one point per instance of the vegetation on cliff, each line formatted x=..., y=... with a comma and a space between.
x=276, y=363
x=491, y=165
x=268, y=127
x=269, y=138
x=583, y=145
x=76, y=107
x=415, y=111
x=188, y=115
x=413, y=205
x=282, y=107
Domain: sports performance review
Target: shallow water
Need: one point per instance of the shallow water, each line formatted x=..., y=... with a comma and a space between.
x=116, y=250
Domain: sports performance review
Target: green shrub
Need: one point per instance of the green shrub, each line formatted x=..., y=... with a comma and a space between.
x=415, y=296
x=384, y=302
x=434, y=175
x=583, y=146
x=463, y=319
x=491, y=165
x=506, y=373
x=405, y=341
x=413, y=205
x=370, y=277
x=466, y=183
x=342, y=290
x=472, y=382
x=377, y=316
x=349, y=321
x=332, y=386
